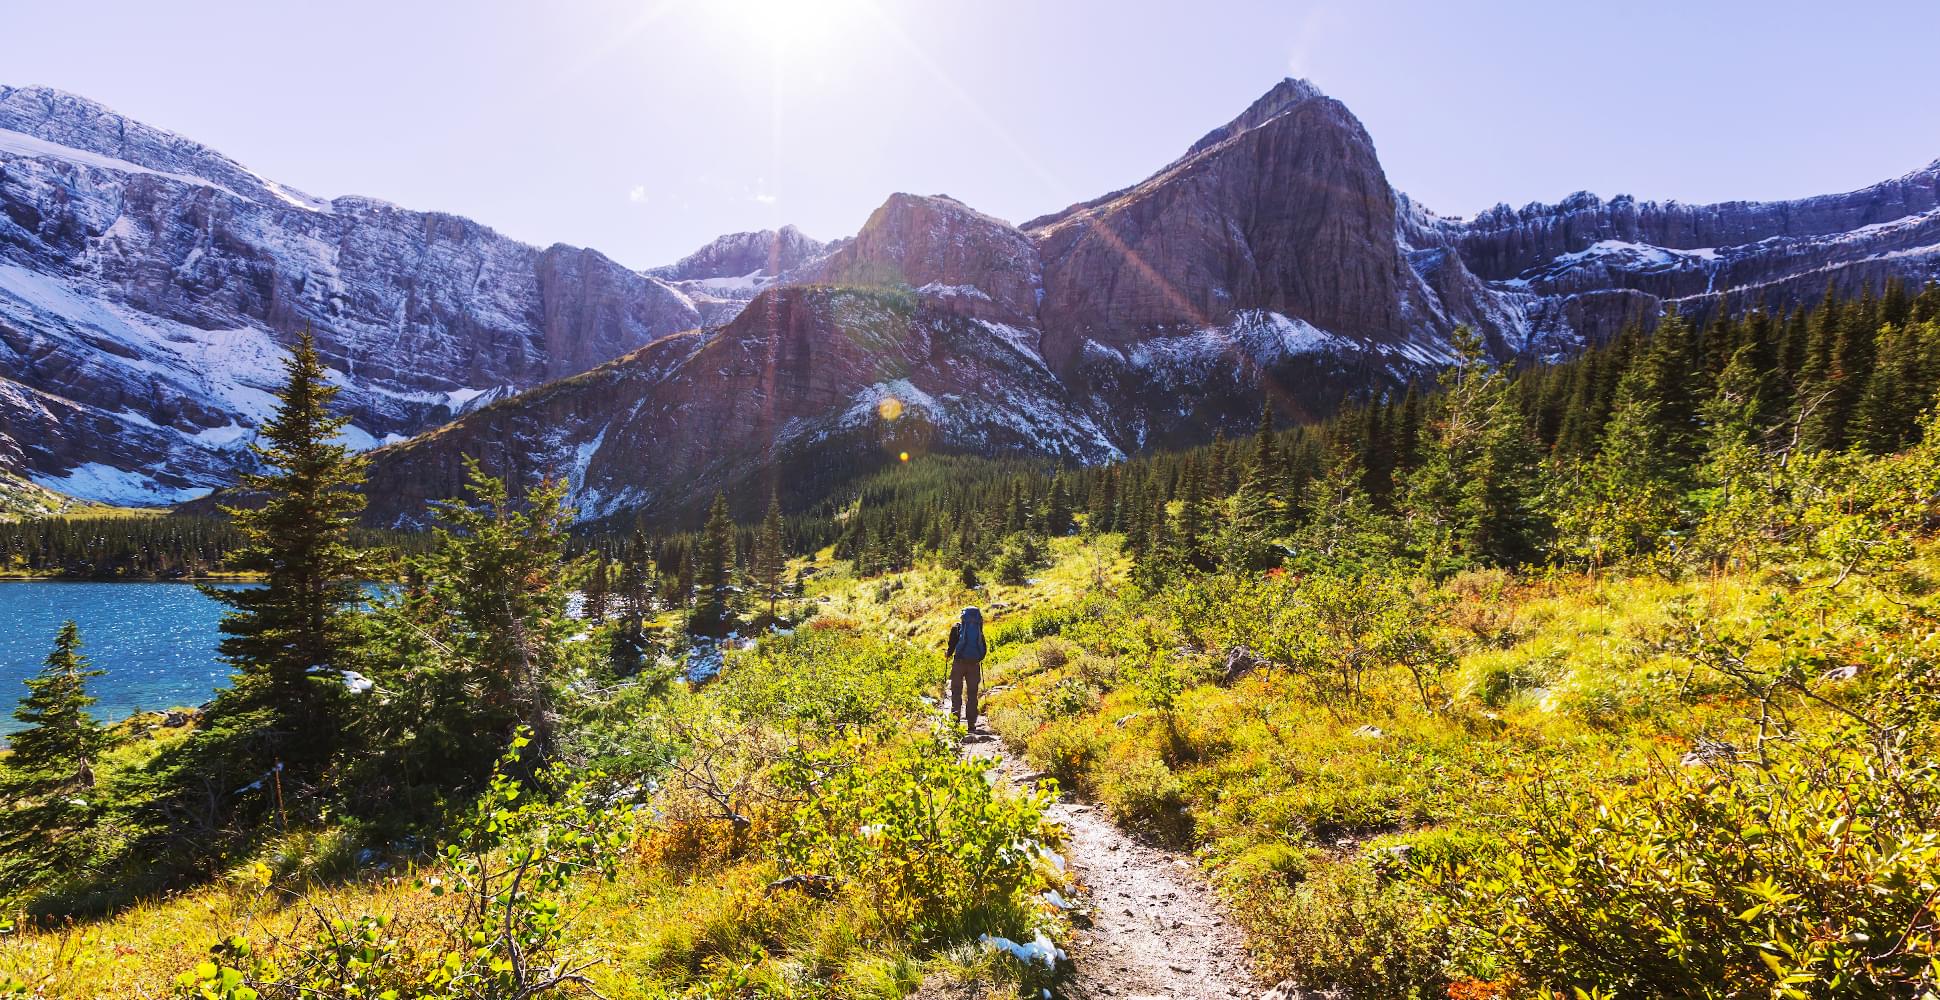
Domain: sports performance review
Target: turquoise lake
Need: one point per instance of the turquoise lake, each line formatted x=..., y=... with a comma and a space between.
x=157, y=642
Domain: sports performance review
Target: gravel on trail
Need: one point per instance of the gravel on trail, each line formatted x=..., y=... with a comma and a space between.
x=1148, y=925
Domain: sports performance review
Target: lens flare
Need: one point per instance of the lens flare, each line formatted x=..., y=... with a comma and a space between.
x=890, y=408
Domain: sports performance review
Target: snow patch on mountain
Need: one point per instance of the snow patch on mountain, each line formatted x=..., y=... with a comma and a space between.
x=21, y=144
x=121, y=487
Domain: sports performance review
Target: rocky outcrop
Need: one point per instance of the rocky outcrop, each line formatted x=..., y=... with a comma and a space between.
x=1505, y=243
x=942, y=248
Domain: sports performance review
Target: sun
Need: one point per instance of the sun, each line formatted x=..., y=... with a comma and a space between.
x=798, y=26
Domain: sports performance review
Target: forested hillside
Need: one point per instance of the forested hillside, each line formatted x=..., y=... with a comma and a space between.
x=1612, y=678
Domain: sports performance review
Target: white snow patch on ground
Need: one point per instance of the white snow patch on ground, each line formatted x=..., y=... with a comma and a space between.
x=1039, y=949
x=583, y=458
x=356, y=438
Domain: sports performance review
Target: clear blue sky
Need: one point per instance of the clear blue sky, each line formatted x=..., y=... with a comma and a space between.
x=645, y=127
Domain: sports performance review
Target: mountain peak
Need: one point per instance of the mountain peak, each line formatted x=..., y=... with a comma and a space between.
x=1272, y=104
x=766, y=251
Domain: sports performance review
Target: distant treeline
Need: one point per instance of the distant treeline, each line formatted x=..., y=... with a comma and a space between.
x=139, y=546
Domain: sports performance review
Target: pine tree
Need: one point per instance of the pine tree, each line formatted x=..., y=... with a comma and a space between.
x=599, y=589
x=1731, y=498
x=1341, y=531
x=1191, y=535
x=1259, y=463
x=770, y=557
x=1246, y=534
x=498, y=611
x=1886, y=416
x=1407, y=432
x=290, y=639
x=1057, y=508
x=1473, y=498
x=49, y=776
x=1160, y=559
x=1624, y=499
x=714, y=574
x=635, y=590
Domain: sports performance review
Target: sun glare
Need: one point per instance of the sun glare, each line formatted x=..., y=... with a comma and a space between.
x=793, y=25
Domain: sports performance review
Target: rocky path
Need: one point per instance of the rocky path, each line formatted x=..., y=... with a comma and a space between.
x=1154, y=929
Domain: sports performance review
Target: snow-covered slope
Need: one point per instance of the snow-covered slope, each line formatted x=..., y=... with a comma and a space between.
x=149, y=287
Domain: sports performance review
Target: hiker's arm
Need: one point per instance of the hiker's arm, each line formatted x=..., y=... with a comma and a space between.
x=956, y=632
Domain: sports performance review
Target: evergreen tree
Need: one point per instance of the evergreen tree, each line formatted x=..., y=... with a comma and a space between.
x=1160, y=559
x=291, y=638
x=1341, y=530
x=497, y=572
x=1473, y=499
x=714, y=574
x=1246, y=534
x=1057, y=508
x=599, y=589
x=1259, y=463
x=48, y=779
x=1731, y=497
x=770, y=560
x=1886, y=416
x=635, y=589
x=1191, y=534
x=1625, y=498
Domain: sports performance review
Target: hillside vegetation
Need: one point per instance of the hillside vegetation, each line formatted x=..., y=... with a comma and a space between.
x=1617, y=678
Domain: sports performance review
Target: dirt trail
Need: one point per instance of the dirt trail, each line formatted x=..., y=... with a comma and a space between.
x=1155, y=929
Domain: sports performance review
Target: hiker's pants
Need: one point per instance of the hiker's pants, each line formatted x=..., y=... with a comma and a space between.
x=965, y=675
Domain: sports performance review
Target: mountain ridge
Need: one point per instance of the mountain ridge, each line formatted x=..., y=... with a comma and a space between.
x=148, y=283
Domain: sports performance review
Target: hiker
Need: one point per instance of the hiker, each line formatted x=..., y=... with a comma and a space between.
x=966, y=666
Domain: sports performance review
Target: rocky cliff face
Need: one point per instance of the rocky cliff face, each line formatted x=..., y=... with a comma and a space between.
x=149, y=285
x=1285, y=210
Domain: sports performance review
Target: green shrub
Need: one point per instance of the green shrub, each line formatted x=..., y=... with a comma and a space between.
x=1349, y=927
x=916, y=835
x=1145, y=795
x=1813, y=876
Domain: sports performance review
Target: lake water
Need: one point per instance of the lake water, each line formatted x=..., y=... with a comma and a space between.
x=157, y=641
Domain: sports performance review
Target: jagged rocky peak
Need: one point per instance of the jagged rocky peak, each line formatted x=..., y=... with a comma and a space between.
x=1271, y=105
x=1285, y=209
x=769, y=252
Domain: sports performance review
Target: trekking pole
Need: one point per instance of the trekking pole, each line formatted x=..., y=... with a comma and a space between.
x=276, y=779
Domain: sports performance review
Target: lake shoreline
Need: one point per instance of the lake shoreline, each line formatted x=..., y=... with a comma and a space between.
x=67, y=578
